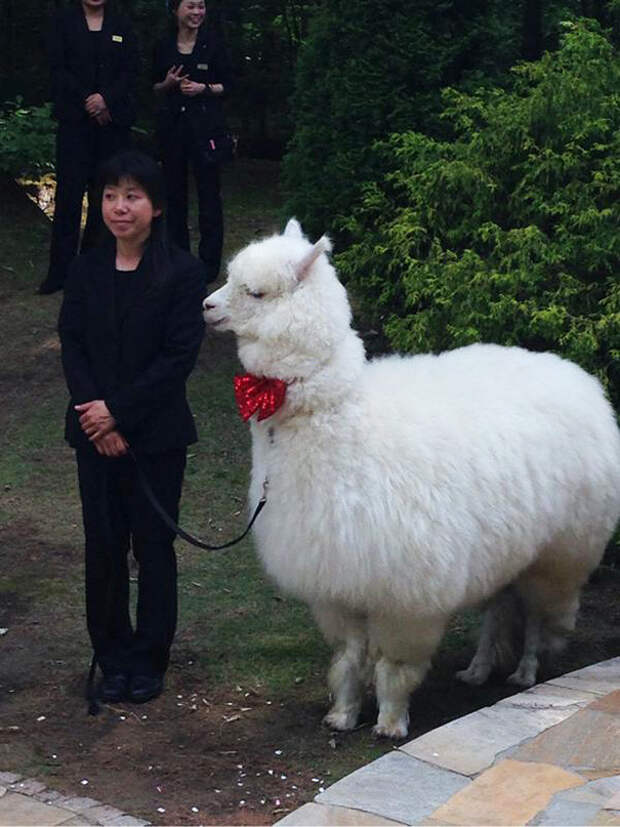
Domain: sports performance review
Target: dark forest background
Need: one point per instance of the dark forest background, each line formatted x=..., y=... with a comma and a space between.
x=380, y=51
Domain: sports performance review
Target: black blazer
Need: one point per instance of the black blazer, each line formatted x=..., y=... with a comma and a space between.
x=138, y=363
x=208, y=63
x=74, y=70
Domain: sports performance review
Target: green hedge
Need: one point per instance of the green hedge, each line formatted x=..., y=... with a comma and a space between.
x=27, y=139
x=509, y=231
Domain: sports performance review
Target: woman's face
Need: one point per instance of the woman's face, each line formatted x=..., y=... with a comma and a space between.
x=191, y=13
x=127, y=211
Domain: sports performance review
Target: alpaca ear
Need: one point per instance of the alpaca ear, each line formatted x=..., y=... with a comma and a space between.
x=303, y=267
x=293, y=229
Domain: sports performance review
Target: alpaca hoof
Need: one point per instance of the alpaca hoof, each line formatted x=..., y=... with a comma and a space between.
x=474, y=675
x=523, y=677
x=394, y=731
x=342, y=721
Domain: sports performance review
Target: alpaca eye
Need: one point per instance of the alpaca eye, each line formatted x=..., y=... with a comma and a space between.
x=256, y=294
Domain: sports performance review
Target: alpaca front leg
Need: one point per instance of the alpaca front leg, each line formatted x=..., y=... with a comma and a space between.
x=394, y=683
x=346, y=686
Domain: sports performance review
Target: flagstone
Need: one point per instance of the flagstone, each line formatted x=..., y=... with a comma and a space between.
x=609, y=703
x=544, y=695
x=396, y=787
x=606, y=818
x=563, y=813
x=102, y=814
x=470, y=744
x=588, y=739
x=597, y=792
x=323, y=815
x=16, y=808
x=512, y=792
x=613, y=803
x=49, y=796
x=600, y=678
x=76, y=803
x=27, y=786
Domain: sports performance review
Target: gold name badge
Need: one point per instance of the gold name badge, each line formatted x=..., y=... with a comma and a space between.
x=202, y=66
x=117, y=38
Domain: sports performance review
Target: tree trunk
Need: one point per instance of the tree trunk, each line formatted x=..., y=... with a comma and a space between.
x=532, y=43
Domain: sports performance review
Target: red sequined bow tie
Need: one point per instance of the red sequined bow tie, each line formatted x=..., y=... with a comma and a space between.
x=256, y=393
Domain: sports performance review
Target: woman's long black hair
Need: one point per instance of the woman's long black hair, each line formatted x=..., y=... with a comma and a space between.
x=141, y=168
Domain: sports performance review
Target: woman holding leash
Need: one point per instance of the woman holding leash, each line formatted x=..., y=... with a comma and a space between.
x=191, y=76
x=131, y=327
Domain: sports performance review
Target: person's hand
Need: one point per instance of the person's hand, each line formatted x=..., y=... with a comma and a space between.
x=216, y=88
x=103, y=118
x=112, y=444
x=96, y=420
x=191, y=88
x=173, y=77
x=94, y=104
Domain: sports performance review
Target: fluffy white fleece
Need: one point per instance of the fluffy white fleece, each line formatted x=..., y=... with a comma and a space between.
x=404, y=489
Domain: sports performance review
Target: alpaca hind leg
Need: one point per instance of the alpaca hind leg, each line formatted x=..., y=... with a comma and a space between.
x=551, y=600
x=347, y=671
x=497, y=638
x=525, y=673
x=483, y=661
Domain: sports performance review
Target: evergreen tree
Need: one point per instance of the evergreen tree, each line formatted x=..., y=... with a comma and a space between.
x=373, y=67
x=508, y=231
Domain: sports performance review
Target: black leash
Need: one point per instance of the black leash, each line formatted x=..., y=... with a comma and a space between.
x=177, y=529
x=91, y=694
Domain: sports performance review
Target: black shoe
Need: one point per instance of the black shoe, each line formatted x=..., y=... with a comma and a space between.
x=48, y=287
x=143, y=688
x=114, y=687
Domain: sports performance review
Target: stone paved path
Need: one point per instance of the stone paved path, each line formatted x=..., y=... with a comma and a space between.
x=24, y=801
x=547, y=756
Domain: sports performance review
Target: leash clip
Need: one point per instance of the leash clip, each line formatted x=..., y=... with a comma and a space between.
x=263, y=499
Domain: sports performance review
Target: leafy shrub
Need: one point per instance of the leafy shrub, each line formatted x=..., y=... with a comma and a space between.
x=370, y=68
x=507, y=232
x=26, y=139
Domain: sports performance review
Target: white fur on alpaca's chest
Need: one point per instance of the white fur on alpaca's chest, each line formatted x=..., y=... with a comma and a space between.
x=429, y=470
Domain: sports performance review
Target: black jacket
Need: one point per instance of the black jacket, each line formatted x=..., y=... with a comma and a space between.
x=76, y=74
x=208, y=63
x=138, y=363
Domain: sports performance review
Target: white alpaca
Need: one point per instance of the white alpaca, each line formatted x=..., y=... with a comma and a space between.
x=405, y=489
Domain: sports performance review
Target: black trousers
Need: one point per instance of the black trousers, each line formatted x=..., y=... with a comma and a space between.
x=180, y=147
x=80, y=148
x=117, y=517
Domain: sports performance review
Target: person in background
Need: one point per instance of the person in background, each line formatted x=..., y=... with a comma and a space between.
x=94, y=64
x=191, y=76
x=130, y=329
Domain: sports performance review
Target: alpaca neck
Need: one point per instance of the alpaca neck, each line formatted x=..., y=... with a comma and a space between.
x=331, y=382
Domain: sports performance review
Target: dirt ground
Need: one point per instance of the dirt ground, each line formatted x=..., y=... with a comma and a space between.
x=197, y=755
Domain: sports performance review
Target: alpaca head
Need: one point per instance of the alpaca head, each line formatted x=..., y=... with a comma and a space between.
x=284, y=302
